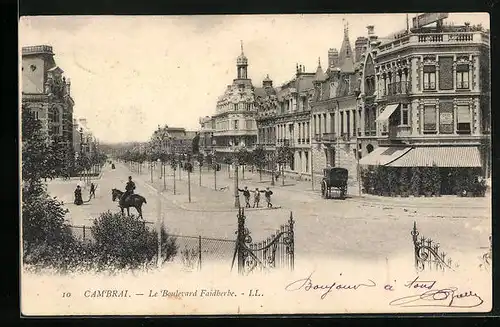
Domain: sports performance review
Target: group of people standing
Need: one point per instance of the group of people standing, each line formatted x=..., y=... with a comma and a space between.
x=78, y=193
x=256, y=196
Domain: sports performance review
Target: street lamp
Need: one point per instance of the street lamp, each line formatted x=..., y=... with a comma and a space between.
x=236, y=192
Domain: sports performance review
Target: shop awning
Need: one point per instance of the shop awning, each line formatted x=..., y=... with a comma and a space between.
x=449, y=156
x=381, y=156
x=388, y=111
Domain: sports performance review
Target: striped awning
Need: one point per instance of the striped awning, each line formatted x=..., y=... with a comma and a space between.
x=444, y=156
x=381, y=156
x=388, y=111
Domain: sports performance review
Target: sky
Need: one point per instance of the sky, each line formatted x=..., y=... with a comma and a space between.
x=130, y=74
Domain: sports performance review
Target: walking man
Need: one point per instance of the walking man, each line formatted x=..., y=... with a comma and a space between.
x=256, y=198
x=92, y=190
x=267, y=192
x=246, y=194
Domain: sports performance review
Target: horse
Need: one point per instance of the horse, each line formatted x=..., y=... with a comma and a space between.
x=134, y=200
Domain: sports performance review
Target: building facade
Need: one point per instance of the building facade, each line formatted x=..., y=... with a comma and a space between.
x=335, y=115
x=234, y=121
x=173, y=140
x=425, y=98
x=47, y=93
x=207, y=128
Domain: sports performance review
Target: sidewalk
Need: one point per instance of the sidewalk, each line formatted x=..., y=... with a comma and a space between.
x=205, y=198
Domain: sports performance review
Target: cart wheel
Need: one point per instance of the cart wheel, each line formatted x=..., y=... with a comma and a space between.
x=343, y=192
x=324, y=190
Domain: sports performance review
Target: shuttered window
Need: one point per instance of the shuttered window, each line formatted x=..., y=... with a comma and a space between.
x=430, y=119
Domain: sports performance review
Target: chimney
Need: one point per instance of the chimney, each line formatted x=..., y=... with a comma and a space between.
x=359, y=48
x=333, y=58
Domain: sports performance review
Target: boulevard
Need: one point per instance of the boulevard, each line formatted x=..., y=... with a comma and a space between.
x=358, y=228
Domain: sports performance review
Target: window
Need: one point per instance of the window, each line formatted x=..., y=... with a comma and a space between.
x=429, y=77
x=35, y=114
x=235, y=124
x=248, y=124
x=463, y=120
x=306, y=154
x=430, y=119
x=404, y=114
x=462, y=76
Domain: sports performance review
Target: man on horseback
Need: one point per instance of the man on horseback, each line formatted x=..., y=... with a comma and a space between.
x=129, y=190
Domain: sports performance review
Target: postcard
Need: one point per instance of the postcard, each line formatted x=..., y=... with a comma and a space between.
x=255, y=164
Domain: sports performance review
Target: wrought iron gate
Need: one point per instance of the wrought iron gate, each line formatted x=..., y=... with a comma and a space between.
x=277, y=251
x=427, y=254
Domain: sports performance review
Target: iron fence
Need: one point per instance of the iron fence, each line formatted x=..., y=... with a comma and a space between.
x=427, y=255
x=192, y=251
x=277, y=251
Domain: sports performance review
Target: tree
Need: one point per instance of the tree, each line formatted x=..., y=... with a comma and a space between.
x=416, y=181
x=435, y=177
x=284, y=156
x=200, y=160
x=124, y=242
x=35, y=151
x=244, y=158
x=259, y=159
x=404, y=182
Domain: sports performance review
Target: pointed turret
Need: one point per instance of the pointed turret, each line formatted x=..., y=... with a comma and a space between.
x=346, y=60
x=320, y=75
x=242, y=64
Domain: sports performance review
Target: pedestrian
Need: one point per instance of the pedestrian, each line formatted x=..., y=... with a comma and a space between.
x=246, y=194
x=78, y=196
x=267, y=192
x=92, y=190
x=256, y=198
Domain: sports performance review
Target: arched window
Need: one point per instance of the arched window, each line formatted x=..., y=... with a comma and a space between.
x=54, y=115
x=369, y=76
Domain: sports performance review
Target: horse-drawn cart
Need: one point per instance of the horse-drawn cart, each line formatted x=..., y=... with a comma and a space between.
x=335, y=178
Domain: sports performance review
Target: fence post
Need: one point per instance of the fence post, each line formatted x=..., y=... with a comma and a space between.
x=291, y=222
x=159, y=222
x=199, y=252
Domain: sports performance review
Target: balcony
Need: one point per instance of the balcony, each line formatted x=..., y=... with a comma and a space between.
x=450, y=38
x=329, y=137
x=37, y=49
x=397, y=90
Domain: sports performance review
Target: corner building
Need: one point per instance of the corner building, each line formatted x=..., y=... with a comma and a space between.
x=47, y=93
x=425, y=99
x=234, y=123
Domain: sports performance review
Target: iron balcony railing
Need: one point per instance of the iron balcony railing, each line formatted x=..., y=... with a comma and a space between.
x=397, y=88
x=329, y=137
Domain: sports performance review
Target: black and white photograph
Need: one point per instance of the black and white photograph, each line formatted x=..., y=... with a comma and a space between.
x=255, y=164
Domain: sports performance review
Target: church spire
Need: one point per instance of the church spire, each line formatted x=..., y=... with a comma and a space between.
x=242, y=53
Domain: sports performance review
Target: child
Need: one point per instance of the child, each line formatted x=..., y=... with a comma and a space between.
x=267, y=192
x=256, y=198
x=246, y=194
